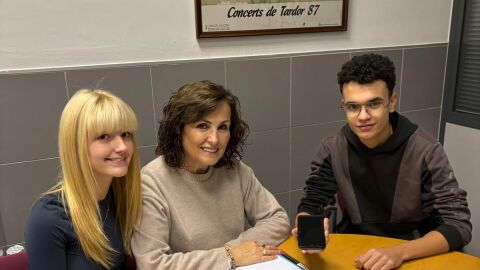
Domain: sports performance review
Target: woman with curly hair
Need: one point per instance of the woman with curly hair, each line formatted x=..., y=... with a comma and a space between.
x=203, y=207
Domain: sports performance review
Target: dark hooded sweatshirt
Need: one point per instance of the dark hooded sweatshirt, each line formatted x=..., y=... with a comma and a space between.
x=403, y=188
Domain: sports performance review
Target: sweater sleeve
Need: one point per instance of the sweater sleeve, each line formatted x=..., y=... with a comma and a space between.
x=444, y=200
x=269, y=221
x=45, y=238
x=321, y=185
x=150, y=242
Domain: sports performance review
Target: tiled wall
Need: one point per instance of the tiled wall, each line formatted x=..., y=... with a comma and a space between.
x=290, y=102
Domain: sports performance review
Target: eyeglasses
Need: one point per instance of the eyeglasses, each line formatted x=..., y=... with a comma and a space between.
x=374, y=106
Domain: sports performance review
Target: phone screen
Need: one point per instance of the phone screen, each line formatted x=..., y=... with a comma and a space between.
x=310, y=232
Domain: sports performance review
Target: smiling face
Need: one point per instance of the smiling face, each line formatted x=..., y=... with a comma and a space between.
x=204, y=141
x=372, y=126
x=110, y=154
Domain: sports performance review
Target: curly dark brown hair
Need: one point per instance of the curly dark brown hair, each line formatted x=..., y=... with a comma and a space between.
x=189, y=104
x=367, y=68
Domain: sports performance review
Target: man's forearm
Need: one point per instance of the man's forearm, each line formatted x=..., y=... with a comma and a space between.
x=430, y=244
x=392, y=257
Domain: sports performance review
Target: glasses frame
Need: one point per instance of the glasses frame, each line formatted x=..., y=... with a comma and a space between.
x=362, y=106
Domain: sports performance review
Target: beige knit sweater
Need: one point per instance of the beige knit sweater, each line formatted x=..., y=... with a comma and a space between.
x=188, y=218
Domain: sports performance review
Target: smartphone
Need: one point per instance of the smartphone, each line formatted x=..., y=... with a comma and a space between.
x=311, y=234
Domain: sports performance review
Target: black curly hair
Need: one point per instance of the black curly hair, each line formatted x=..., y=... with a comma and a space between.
x=189, y=104
x=367, y=68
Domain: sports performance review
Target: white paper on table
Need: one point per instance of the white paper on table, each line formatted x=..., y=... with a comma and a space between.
x=280, y=263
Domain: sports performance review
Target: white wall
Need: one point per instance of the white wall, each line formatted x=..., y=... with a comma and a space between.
x=36, y=34
x=463, y=150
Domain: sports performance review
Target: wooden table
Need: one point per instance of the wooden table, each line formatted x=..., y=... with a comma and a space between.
x=342, y=249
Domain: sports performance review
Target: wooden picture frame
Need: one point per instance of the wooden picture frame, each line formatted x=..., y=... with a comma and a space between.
x=228, y=18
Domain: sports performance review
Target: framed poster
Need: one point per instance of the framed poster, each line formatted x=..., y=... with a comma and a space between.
x=226, y=18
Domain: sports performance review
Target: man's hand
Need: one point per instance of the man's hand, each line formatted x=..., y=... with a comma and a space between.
x=325, y=228
x=391, y=257
x=380, y=258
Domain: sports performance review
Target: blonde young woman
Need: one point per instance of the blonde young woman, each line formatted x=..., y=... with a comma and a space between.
x=86, y=221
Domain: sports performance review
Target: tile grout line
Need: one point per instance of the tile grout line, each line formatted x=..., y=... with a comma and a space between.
x=299, y=126
x=225, y=73
x=443, y=92
x=51, y=158
x=145, y=146
x=421, y=110
x=66, y=84
x=153, y=105
x=401, y=82
x=289, y=211
x=320, y=124
x=28, y=161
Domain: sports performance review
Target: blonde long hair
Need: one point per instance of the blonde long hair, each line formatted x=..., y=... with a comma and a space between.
x=87, y=115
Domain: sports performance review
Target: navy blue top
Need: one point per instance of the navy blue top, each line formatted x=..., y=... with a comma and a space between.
x=51, y=242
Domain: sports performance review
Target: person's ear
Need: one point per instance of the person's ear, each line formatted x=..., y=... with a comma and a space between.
x=393, y=102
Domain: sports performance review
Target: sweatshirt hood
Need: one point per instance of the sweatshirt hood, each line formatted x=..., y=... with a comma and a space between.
x=402, y=130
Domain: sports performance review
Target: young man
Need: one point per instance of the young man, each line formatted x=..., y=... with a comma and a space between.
x=394, y=178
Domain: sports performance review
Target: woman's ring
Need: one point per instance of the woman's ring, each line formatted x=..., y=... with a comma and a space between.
x=264, y=253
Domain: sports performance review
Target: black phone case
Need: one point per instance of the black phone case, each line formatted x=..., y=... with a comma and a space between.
x=311, y=233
